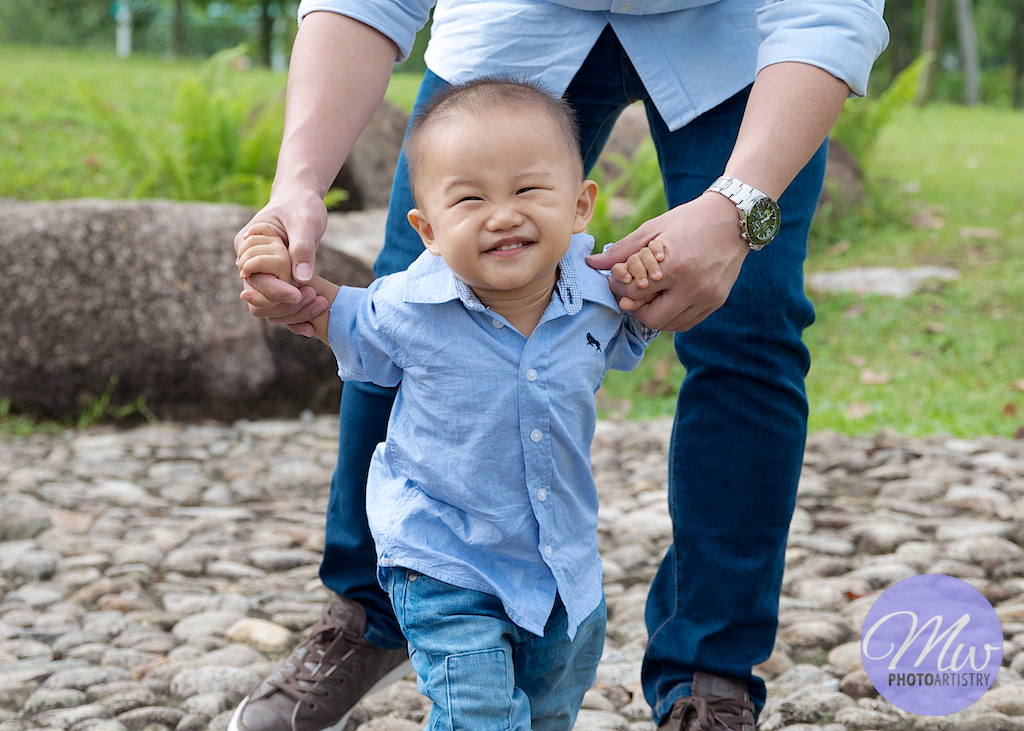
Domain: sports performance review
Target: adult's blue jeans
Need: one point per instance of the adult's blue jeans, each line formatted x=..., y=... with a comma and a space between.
x=481, y=670
x=741, y=421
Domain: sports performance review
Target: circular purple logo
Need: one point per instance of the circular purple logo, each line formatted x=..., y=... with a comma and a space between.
x=931, y=644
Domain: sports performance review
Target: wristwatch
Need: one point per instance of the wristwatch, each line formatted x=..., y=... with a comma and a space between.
x=760, y=217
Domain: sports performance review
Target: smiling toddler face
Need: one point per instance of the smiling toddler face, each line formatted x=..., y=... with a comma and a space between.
x=499, y=196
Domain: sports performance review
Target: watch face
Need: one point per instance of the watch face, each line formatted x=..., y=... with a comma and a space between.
x=763, y=221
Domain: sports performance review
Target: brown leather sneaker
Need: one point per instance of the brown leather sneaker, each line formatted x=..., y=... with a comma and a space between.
x=320, y=682
x=717, y=703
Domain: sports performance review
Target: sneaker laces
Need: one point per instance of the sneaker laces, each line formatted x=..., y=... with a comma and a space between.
x=708, y=712
x=328, y=646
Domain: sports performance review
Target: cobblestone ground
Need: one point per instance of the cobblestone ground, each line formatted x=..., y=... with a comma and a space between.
x=150, y=577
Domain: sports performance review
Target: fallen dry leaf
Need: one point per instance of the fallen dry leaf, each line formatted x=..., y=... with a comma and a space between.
x=873, y=378
x=1010, y=409
x=858, y=361
x=929, y=217
x=858, y=410
x=840, y=247
x=972, y=232
x=1018, y=385
x=936, y=327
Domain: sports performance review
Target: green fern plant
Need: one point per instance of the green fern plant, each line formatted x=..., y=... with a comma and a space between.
x=862, y=120
x=224, y=148
x=639, y=183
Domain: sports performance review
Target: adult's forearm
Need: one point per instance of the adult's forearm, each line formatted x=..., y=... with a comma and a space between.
x=338, y=73
x=792, y=107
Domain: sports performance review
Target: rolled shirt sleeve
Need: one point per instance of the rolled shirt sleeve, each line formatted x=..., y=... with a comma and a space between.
x=843, y=38
x=360, y=340
x=399, y=20
x=690, y=54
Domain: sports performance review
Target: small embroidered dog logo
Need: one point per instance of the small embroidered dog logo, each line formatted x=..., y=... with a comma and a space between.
x=591, y=340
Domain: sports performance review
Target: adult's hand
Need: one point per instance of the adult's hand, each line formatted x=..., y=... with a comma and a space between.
x=337, y=75
x=703, y=256
x=790, y=110
x=300, y=219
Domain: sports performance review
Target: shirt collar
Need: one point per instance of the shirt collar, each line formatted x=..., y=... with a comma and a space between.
x=430, y=281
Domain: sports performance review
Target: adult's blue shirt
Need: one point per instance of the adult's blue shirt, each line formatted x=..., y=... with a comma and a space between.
x=691, y=54
x=484, y=481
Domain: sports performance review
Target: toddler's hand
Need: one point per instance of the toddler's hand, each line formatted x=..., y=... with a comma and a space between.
x=641, y=266
x=263, y=251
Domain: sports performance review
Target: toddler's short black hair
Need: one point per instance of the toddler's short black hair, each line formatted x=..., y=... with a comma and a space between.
x=483, y=94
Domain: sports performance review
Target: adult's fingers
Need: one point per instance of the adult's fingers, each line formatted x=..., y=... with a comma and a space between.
x=621, y=251
x=272, y=289
x=307, y=312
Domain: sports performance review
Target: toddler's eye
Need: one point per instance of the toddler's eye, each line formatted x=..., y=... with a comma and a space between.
x=523, y=190
x=470, y=198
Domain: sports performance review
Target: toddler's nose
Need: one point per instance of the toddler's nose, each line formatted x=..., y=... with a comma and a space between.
x=504, y=216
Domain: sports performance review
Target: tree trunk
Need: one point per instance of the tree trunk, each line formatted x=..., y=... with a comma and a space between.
x=1017, y=53
x=969, y=50
x=901, y=51
x=930, y=35
x=178, y=30
x=266, y=32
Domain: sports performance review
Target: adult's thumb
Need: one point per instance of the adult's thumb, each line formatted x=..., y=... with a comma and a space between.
x=303, y=254
x=618, y=253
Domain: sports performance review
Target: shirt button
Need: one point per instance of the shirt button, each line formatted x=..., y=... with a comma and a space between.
x=542, y=494
x=531, y=375
x=536, y=435
x=548, y=551
x=498, y=324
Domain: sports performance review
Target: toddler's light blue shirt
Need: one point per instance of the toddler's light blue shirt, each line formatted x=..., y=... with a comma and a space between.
x=691, y=54
x=484, y=481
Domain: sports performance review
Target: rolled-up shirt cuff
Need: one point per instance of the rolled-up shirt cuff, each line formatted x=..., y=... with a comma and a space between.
x=843, y=38
x=399, y=20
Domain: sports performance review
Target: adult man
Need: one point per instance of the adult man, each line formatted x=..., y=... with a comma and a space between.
x=740, y=99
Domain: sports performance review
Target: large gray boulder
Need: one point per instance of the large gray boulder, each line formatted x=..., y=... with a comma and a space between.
x=370, y=166
x=147, y=291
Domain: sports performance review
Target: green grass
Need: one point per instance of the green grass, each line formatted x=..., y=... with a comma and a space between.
x=953, y=354
x=402, y=90
x=52, y=145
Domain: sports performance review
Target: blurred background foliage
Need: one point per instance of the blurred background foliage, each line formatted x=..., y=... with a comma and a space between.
x=225, y=146
x=200, y=28
x=197, y=112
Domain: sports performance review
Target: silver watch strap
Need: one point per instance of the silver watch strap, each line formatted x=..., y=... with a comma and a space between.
x=739, y=193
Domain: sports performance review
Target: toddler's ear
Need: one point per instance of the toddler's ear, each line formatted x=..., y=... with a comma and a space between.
x=585, y=206
x=423, y=228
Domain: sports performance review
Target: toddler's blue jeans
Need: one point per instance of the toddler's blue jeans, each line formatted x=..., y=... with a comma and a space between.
x=483, y=672
x=741, y=421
